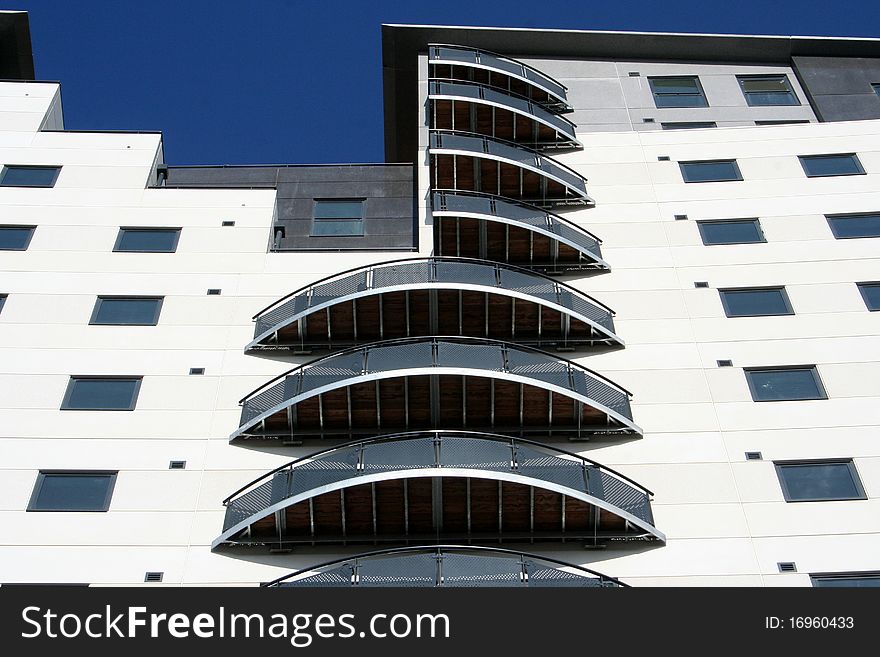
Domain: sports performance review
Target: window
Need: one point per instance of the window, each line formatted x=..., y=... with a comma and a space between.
x=762, y=90
x=688, y=125
x=840, y=580
x=135, y=311
x=677, y=92
x=72, y=491
x=89, y=393
x=785, y=383
x=338, y=217
x=147, y=240
x=2, y=302
x=15, y=238
x=755, y=302
x=849, y=226
x=876, y=88
x=790, y=122
x=814, y=481
x=818, y=166
x=870, y=293
x=28, y=176
x=710, y=171
x=733, y=231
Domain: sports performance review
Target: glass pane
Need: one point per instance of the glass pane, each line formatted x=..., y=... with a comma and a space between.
x=730, y=232
x=159, y=240
x=772, y=98
x=778, y=84
x=858, y=581
x=102, y=394
x=831, y=165
x=127, y=311
x=688, y=125
x=675, y=85
x=870, y=293
x=343, y=227
x=338, y=209
x=709, y=171
x=770, y=385
x=2, y=301
x=29, y=176
x=684, y=100
x=867, y=225
x=73, y=492
x=13, y=238
x=819, y=481
x=744, y=303
x=876, y=88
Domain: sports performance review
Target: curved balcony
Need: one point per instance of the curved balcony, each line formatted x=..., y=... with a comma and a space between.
x=462, y=62
x=431, y=296
x=503, y=230
x=476, y=108
x=434, y=383
x=472, y=162
x=447, y=566
x=438, y=486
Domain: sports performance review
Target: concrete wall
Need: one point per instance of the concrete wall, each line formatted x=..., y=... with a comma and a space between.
x=387, y=190
x=840, y=87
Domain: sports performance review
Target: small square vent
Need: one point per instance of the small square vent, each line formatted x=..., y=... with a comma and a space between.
x=724, y=363
x=663, y=158
x=177, y=465
x=153, y=577
x=648, y=120
x=214, y=291
x=228, y=223
x=701, y=284
x=680, y=217
x=196, y=370
x=634, y=74
x=787, y=567
x=753, y=456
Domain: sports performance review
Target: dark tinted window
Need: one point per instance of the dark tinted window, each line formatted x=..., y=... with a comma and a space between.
x=876, y=88
x=857, y=580
x=781, y=384
x=338, y=217
x=110, y=394
x=755, y=302
x=817, y=166
x=767, y=90
x=855, y=225
x=819, y=480
x=142, y=311
x=15, y=238
x=687, y=125
x=677, y=92
x=147, y=240
x=737, y=231
x=2, y=301
x=710, y=171
x=72, y=491
x=782, y=122
x=26, y=176
x=871, y=295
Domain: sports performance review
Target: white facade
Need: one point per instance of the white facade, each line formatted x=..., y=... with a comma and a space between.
x=725, y=518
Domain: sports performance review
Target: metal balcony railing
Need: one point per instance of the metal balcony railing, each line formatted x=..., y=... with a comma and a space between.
x=464, y=56
x=474, y=145
x=474, y=92
x=433, y=273
x=434, y=453
x=497, y=208
x=448, y=566
x=440, y=355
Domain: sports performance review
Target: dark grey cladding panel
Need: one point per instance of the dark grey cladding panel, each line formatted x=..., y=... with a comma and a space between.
x=839, y=88
x=389, y=191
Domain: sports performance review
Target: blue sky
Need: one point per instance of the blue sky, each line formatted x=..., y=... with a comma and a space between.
x=300, y=81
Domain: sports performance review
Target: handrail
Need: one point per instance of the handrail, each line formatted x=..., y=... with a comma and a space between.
x=501, y=344
x=367, y=269
x=437, y=433
x=448, y=548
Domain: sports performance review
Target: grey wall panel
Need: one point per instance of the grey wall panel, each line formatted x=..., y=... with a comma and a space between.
x=840, y=87
x=388, y=191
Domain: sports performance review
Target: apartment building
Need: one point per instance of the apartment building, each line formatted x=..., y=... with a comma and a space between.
x=603, y=317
